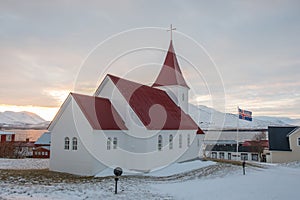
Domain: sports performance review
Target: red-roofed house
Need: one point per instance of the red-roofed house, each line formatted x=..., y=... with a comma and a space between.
x=126, y=124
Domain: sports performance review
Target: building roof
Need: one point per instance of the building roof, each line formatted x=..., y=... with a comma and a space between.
x=44, y=139
x=43, y=147
x=6, y=133
x=261, y=143
x=154, y=107
x=278, y=137
x=100, y=113
x=170, y=73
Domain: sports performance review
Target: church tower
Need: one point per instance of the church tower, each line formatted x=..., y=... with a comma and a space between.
x=171, y=80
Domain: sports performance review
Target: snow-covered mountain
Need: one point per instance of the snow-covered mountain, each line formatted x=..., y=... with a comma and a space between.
x=22, y=120
x=209, y=118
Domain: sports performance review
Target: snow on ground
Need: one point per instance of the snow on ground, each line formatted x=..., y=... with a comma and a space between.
x=274, y=183
x=173, y=169
x=209, y=181
x=27, y=163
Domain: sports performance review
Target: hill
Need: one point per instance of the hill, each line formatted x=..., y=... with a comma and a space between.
x=10, y=119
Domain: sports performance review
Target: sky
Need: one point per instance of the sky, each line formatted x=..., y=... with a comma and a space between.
x=51, y=48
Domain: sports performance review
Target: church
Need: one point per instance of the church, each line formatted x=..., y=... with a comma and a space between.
x=126, y=124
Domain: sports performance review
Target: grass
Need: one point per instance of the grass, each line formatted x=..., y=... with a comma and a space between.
x=41, y=176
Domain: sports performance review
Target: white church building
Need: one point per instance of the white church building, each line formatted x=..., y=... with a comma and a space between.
x=126, y=124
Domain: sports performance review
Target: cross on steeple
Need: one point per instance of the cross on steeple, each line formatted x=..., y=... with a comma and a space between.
x=171, y=29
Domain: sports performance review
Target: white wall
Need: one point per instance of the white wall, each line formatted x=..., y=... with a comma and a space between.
x=79, y=161
x=179, y=95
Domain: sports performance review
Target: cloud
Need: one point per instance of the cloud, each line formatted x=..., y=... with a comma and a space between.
x=255, y=44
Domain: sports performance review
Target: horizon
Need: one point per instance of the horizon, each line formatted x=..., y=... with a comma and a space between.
x=255, y=46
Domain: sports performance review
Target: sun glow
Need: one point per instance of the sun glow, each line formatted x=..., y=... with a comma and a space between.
x=46, y=113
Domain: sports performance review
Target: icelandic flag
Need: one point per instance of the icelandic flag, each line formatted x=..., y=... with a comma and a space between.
x=245, y=114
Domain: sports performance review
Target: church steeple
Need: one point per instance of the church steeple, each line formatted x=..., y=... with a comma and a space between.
x=170, y=73
x=171, y=80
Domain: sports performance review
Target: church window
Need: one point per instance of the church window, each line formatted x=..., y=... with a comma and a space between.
x=182, y=97
x=74, y=143
x=171, y=141
x=298, y=141
x=159, y=143
x=108, y=143
x=188, y=140
x=180, y=141
x=67, y=143
x=115, y=143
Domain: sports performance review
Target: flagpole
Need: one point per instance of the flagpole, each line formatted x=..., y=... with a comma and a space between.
x=237, y=134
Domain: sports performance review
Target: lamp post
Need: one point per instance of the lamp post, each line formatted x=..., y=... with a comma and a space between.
x=244, y=165
x=118, y=172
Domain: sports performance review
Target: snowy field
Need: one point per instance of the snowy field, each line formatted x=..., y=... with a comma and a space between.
x=28, y=163
x=202, y=180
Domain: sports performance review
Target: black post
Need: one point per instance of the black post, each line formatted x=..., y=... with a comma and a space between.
x=244, y=164
x=118, y=172
x=116, y=185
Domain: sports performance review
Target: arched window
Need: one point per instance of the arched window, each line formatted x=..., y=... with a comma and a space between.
x=159, y=143
x=188, y=140
x=115, y=143
x=171, y=141
x=74, y=143
x=108, y=143
x=67, y=143
x=180, y=141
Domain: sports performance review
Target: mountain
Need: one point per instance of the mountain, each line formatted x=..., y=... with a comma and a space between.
x=209, y=118
x=22, y=119
x=205, y=117
x=284, y=120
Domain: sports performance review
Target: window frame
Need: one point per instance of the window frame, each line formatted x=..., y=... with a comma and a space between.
x=298, y=141
x=8, y=138
x=74, y=144
x=115, y=143
x=180, y=141
x=171, y=141
x=67, y=143
x=108, y=143
x=159, y=143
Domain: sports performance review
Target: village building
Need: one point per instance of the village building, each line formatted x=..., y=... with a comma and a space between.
x=42, y=146
x=7, y=144
x=284, y=144
x=6, y=136
x=222, y=144
x=126, y=124
x=23, y=149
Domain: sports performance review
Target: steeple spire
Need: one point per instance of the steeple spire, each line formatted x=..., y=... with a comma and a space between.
x=170, y=73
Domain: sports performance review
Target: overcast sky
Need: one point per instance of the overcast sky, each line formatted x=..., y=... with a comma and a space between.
x=255, y=45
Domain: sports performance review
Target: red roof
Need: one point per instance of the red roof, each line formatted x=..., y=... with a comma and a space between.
x=153, y=106
x=99, y=112
x=263, y=143
x=170, y=73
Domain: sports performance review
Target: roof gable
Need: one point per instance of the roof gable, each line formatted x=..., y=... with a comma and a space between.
x=170, y=73
x=99, y=112
x=154, y=107
x=278, y=137
x=44, y=139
